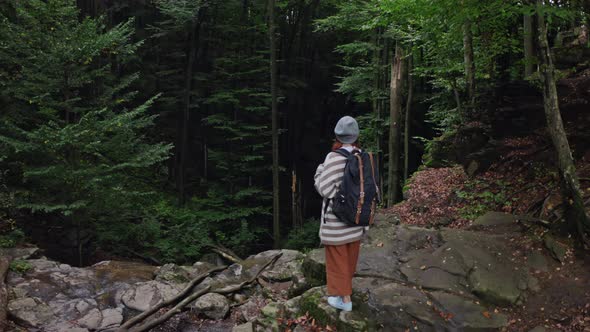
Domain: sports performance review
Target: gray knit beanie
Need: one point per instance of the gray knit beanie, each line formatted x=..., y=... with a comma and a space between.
x=347, y=130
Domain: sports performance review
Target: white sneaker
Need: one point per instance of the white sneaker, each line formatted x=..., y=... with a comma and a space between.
x=336, y=302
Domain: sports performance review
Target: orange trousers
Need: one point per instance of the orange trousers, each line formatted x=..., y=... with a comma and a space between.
x=340, y=267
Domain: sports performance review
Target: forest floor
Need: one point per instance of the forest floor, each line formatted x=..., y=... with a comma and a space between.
x=522, y=182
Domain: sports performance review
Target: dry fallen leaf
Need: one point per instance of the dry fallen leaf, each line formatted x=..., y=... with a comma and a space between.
x=486, y=314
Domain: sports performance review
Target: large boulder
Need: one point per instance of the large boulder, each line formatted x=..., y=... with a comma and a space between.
x=30, y=312
x=212, y=305
x=145, y=295
x=379, y=305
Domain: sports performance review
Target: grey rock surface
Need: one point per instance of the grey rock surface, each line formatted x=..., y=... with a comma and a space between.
x=407, y=278
x=212, y=305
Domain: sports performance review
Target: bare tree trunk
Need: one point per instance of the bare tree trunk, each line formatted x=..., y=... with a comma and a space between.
x=394, y=127
x=4, y=265
x=383, y=104
x=294, y=198
x=275, y=124
x=528, y=45
x=375, y=95
x=407, y=118
x=573, y=200
x=469, y=62
x=185, y=114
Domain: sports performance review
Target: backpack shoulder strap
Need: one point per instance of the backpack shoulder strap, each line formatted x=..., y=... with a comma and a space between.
x=343, y=152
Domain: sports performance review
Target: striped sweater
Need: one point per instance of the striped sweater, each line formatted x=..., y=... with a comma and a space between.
x=328, y=178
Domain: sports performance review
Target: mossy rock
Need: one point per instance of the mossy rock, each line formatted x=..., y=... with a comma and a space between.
x=439, y=151
x=314, y=267
x=270, y=314
x=314, y=302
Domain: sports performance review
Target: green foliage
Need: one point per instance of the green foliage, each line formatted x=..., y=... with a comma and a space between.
x=10, y=235
x=20, y=266
x=304, y=238
x=480, y=197
x=12, y=238
x=183, y=234
x=83, y=158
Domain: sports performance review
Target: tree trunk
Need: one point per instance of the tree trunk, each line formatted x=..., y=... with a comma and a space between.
x=573, y=200
x=395, y=106
x=407, y=119
x=275, y=124
x=186, y=111
x=4, y=265
x=294, y=198
x=528, y=45
x=469, y=62
x=383, y=104
x=375, y=95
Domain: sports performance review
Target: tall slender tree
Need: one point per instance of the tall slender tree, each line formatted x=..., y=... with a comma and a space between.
x=469, y=59
x=529, y=48
x=395, y=110
x=407, y=115
x=275, y=123
x=572, y=195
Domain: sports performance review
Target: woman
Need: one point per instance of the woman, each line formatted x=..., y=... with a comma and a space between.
x=342, y=242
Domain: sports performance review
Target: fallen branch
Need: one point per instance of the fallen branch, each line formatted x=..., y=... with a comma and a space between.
x=235, y=288
x=225, y=290
x=226, y=253
x=139, y=318
x=177, y=309
x=4, y=265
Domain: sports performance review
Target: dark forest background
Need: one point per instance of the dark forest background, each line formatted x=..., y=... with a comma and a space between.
x=143, y=128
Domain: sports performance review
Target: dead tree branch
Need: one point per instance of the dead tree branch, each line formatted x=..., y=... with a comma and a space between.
x=139, y=318
x=186, y=301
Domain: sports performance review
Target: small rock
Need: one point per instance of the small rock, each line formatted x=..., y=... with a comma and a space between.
x=314, y=267
x=499, y=286
x=556, y=249
x=271, y=310
x=293, y=306
x=173, y=273
x=534, y=285
x=91, y=320
x=147, y=294
x=212, y=305
x=65, y=267
x=19, y=253
x=248, y=327
x=42, y=264
x=495, y=219
x=249, y=310
x=82, y=306
x=537, y=261
x=111, y=318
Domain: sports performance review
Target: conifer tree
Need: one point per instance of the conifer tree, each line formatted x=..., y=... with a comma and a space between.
x=72, y=132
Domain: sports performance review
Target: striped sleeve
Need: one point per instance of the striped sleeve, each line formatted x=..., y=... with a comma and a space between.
x=329, y=175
